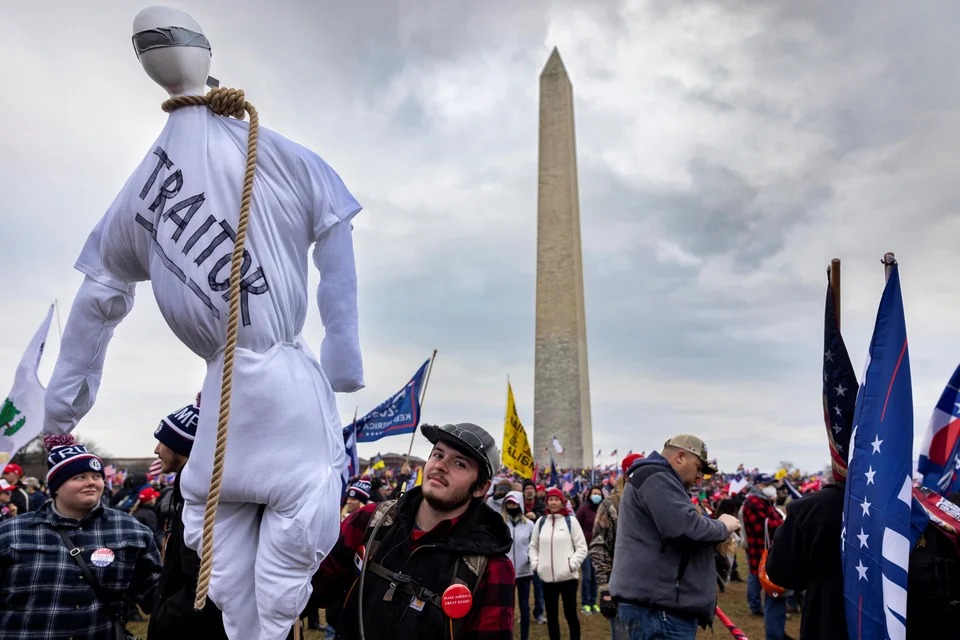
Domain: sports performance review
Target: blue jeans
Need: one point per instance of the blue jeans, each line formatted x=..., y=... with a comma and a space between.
x=775, y=616
x=523, y=603
x=617, y=630
x=646, y=623
x=753, y=593
x=588, y=583
x=537, y=596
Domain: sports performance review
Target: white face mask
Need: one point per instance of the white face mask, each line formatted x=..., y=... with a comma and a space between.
x=770, y=492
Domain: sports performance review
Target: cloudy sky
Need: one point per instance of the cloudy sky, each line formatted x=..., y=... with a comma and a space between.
x=727, y=151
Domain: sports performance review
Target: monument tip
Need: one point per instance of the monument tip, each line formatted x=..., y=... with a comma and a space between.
x=554, y=64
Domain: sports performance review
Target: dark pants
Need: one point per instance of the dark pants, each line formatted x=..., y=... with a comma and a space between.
x=523, y=603
x=566, y=591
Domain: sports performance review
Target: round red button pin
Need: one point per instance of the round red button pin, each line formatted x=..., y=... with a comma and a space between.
x=456, y=601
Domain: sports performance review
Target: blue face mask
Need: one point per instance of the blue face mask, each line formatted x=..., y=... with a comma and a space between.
x=595, y=499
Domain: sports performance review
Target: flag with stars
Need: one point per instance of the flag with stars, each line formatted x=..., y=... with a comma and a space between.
x=839, y=389
x=878, y=509
x=940, y=452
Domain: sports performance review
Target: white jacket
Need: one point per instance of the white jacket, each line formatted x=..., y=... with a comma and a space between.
x=521, y=532
x=557, y=552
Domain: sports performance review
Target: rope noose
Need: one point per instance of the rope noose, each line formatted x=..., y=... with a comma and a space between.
x=228, y=103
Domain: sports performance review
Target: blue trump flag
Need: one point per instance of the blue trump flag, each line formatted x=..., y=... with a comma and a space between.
x=940, y=452
x=396, y=415
x=877, y=534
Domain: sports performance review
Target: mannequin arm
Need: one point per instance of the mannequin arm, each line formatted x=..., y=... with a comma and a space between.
x=337, y=300
x=97, y=310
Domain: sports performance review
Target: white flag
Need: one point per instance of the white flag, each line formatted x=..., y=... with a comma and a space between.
x=557, y=446
x=21, y=415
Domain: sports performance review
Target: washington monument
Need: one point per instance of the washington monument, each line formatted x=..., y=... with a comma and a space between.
x=561, y=407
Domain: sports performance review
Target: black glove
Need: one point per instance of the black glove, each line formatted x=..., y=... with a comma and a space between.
x=608, y=606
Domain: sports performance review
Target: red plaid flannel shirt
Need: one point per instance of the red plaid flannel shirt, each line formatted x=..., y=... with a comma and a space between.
x=491, y=620
x=755, y=511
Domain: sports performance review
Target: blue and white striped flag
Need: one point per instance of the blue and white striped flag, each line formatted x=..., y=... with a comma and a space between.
x=877, y=534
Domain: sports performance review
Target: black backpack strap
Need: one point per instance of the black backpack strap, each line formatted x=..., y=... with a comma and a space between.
x=75, y=553
x=467, y=571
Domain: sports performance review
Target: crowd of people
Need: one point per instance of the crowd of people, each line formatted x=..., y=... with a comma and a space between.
x=450, y=552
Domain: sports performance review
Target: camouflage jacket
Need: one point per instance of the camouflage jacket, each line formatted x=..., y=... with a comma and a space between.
x=604, y=539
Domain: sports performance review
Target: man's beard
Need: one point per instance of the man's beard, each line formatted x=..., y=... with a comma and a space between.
x=444, y=505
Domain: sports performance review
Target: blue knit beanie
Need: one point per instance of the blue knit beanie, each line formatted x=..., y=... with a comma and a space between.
x=68, y=458
x=178, y=429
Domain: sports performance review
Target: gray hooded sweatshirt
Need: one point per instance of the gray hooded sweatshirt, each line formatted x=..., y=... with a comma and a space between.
x=656, y=528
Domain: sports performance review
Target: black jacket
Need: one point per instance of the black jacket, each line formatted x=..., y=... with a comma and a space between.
x=173, y=615
x=806, y=555
x=432, y=566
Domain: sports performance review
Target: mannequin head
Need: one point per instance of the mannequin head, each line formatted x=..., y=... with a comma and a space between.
x=172, y=49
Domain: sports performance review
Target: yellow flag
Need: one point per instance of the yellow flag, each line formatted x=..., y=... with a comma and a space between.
x=419, y=480
x=516, y=454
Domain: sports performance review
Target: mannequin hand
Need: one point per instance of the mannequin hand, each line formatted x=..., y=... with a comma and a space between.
x=608, y=607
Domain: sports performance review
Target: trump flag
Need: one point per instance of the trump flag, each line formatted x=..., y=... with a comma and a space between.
x=877, y=535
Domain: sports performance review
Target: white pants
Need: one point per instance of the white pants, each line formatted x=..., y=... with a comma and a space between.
x=280, y=499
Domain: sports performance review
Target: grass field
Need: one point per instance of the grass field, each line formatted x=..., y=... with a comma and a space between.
x=595, y=627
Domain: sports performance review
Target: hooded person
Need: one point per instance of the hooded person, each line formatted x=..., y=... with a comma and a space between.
x=521, y=530
x=664, y=551
x=502, y=487
x=394, y=560
x=175, y=223
x=43, y=589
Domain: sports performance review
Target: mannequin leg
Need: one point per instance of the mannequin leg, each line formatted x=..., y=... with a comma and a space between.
x=292, y=545
x=235, y=539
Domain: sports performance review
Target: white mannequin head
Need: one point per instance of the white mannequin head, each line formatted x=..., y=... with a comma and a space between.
x=179, y=64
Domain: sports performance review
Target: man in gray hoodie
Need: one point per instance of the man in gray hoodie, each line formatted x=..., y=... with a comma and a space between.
x=664, y=576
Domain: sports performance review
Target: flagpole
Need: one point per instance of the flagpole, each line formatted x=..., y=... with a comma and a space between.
x=423, y=394
x=834, y=273
x=889, y=260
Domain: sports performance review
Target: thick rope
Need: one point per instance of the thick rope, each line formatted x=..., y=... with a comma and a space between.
x=229, y=103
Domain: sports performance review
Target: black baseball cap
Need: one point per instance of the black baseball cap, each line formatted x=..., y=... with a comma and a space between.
x=469, y=439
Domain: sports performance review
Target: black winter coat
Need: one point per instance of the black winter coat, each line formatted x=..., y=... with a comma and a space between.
x=174, y=617
x=805, y=555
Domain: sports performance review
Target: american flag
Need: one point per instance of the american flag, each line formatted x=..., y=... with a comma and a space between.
x=877, y=534
x=352, y=467
x=940, y=451
x=155, y=468
x=839, y=389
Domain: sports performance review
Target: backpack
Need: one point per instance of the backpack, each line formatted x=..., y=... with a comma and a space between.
x=543, y=520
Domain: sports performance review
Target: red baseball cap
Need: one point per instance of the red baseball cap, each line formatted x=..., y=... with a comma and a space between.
x=13, y=467
x=629, y=460
x=148, y=494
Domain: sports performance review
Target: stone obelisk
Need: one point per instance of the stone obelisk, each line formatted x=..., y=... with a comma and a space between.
x=561, y=407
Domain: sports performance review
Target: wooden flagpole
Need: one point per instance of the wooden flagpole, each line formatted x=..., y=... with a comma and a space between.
x=423, y=394
x=834, y=273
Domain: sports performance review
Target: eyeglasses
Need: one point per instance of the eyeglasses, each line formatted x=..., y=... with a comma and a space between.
x=472, y=440
x=469, y=438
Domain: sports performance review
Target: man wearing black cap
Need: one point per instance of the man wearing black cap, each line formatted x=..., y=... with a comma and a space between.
x=174, y=616
x=664, y=578
x=431, y=564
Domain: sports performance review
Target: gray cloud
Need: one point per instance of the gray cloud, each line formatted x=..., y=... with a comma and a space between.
x=727, y=151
